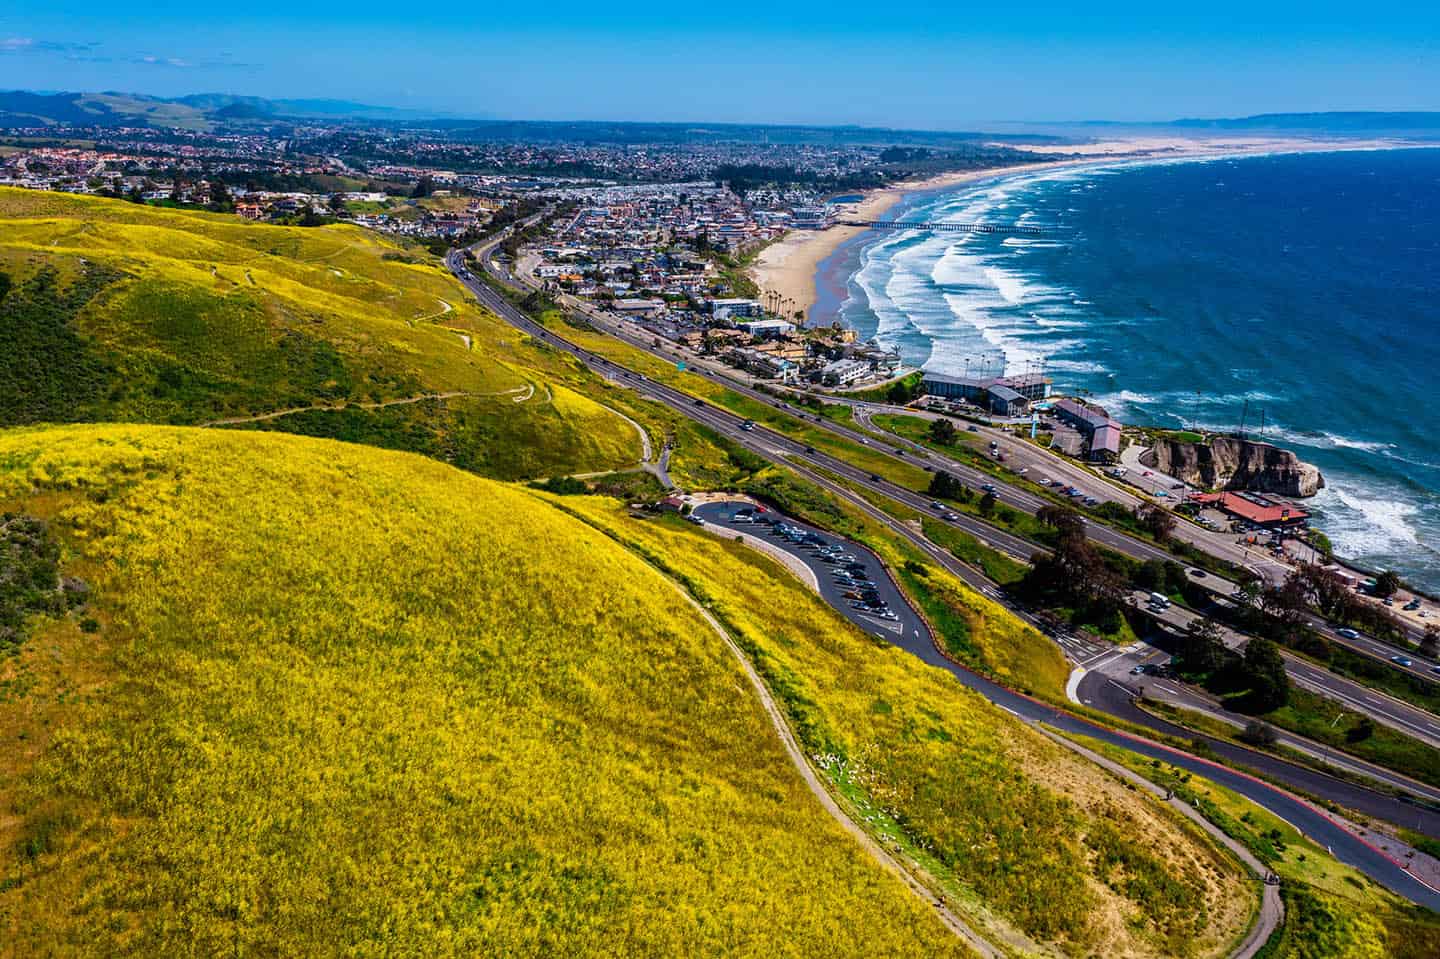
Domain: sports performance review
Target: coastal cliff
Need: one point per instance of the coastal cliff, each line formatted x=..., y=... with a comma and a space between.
x=1225, y=462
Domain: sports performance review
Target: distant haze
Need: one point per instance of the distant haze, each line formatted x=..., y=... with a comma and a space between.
x=922, y=65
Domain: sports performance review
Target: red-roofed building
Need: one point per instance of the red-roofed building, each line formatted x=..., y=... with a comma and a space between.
x=1254, y=508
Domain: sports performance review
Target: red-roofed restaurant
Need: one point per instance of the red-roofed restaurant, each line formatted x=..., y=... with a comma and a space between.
x=1254, y=508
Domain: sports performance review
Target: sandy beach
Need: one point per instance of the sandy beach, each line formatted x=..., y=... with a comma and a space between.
x=789, y=266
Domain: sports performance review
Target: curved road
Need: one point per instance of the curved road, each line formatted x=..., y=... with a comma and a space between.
x=777, y=447
x=917, y=640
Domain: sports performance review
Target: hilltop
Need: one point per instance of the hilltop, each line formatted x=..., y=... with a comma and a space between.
x=119, y=311
x=322, y=696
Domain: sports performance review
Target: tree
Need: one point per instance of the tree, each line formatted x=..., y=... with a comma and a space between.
x=1259, y=734
x=1430, y=642
x=220, y=199
x=900, y=393
x=1203, y=649
x=943, y=431
x=1156, y=520
x=1361, y=731
x=1387, y=584
x=423, y=188
x=1265, y=670
x=1066, y=522
x=337, y=202
x=945, y=486
x=1323, y=587
x=987, y=505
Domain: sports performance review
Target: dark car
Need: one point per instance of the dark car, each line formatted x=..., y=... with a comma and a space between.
x=875, y=478
x=699, y=402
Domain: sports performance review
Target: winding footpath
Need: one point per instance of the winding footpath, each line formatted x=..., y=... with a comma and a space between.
x=817, y=787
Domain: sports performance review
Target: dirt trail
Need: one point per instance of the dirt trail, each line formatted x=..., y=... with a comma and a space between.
x=335, y=407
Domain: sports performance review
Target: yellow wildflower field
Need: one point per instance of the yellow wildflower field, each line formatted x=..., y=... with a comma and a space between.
x=145, y=314
x=349, y=701
x=1039, y=847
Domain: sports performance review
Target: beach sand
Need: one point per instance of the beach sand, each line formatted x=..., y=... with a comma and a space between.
x=789, y=266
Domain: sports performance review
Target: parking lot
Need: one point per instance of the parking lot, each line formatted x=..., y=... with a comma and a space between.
x=851, y=578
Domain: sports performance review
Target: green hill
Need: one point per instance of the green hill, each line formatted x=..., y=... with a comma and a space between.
x=338, y=700
x=322, y=698
x=117, y=311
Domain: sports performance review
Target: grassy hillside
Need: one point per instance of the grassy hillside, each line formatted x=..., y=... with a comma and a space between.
x=1038, y=847
x=326, y=699
x=125, y=312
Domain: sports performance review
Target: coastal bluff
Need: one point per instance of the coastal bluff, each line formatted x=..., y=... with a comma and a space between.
x=1227, y=462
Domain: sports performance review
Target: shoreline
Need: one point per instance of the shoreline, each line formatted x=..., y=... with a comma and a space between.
x=791, y=266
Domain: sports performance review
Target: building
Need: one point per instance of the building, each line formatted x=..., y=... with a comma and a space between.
x=1097, y=426
x=841, y=372
x=813, y=218
x=1002, y=395
x=766, y=327
x=1006, y=402
x=730, y=308
x=1255, y=509
x=638, y=307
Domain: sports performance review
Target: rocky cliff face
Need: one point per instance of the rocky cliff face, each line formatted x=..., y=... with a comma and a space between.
x=1225, y=462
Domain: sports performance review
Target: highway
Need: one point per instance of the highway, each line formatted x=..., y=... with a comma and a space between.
x=1382, y=708
x=777, y=447
x=1039, y=464
x=914, y=637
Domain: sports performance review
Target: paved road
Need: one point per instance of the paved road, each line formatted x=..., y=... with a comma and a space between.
x=1121, y=665
x=733, y=516
x=915, y=638
x=1040, y=464
x=777, y=447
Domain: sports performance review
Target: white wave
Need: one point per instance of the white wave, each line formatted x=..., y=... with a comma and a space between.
x=1361, y=525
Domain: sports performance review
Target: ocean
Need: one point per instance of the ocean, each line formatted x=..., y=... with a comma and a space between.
x=1296, y=293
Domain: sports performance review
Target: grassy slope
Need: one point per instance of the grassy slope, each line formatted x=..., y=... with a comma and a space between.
x=1022, y=832
x=349, y=701
x=126, y=312
x=1332, y=910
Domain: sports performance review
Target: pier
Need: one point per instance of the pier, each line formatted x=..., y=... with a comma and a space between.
x=947, y=227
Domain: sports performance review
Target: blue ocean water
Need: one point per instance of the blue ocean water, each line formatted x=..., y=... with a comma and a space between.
x=1299, y=290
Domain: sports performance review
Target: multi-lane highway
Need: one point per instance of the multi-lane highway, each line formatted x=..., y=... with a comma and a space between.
x=909, y=631
x=1381, y=708
x=778, y=447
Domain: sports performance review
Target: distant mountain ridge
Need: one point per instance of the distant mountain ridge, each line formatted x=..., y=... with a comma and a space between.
x=22, y=108
x=1353, y=121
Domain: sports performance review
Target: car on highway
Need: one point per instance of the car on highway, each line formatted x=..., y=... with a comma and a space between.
x=1044, y=481
x=875, y=478
x=988, y=487
x=1348, y=633
x=1198, y=573
x=748, y=425
x=1405, y=661
x=699, y=402
x=936, y=504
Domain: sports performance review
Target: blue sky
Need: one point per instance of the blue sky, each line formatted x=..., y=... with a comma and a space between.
x=921, y=64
